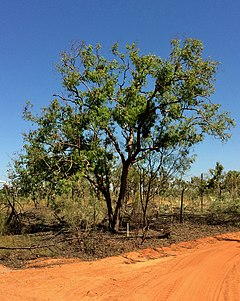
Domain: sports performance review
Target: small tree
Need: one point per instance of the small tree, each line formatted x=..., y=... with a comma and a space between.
x=216, y=179
x=232, y=183
x=113, y=106
x=157, y=169
x=198, y=188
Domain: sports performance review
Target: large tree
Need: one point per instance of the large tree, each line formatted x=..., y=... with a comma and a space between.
x=117, y=110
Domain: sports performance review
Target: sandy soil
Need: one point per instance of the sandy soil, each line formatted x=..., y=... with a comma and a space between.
x=200, y=270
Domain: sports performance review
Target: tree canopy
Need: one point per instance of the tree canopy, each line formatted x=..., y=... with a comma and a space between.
x=117, y=110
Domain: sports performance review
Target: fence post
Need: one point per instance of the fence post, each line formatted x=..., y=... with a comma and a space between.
x=181, y=207
x=127, y=229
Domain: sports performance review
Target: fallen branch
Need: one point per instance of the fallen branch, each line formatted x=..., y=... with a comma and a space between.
x=159, y=236
x=27, y=248
x=39, y=246
x=144, y=235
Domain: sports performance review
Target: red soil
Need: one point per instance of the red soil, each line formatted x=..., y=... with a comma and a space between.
x=201, y=270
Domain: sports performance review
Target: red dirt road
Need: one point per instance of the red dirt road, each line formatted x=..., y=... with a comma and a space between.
x=202, y=270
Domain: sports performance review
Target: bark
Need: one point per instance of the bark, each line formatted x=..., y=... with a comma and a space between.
x=123, y=185
x=105, y=190
x=109, y=208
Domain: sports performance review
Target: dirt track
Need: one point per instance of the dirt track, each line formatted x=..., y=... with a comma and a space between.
x=201, y=270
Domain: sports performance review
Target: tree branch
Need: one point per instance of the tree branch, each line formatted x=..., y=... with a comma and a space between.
x=116, y=145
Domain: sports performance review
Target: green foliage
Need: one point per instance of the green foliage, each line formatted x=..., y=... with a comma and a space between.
x=78, y=214
x=117, y=111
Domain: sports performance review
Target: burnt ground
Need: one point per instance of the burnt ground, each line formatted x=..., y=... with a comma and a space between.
x=62, y=242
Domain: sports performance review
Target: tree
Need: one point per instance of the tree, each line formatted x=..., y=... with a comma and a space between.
x=198, y=187
x=159, y=168
x=217, y=179
x=117, y=111
x=232, y=183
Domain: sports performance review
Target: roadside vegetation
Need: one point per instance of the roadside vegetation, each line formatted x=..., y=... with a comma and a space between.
x=102, y=169
x=71, y=223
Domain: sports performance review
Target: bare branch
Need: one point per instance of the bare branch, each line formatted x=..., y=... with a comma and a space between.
x=27, y=248
x=116, y=145
x=124, y=76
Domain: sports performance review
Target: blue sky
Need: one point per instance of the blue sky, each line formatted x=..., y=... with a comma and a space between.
x=33, y=33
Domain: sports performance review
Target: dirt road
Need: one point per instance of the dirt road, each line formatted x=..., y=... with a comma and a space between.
x=201, y=270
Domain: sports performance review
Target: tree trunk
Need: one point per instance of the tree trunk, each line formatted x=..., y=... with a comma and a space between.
x=145, y=221
x=123, y=185
x=105, y=190
x=109, y=208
